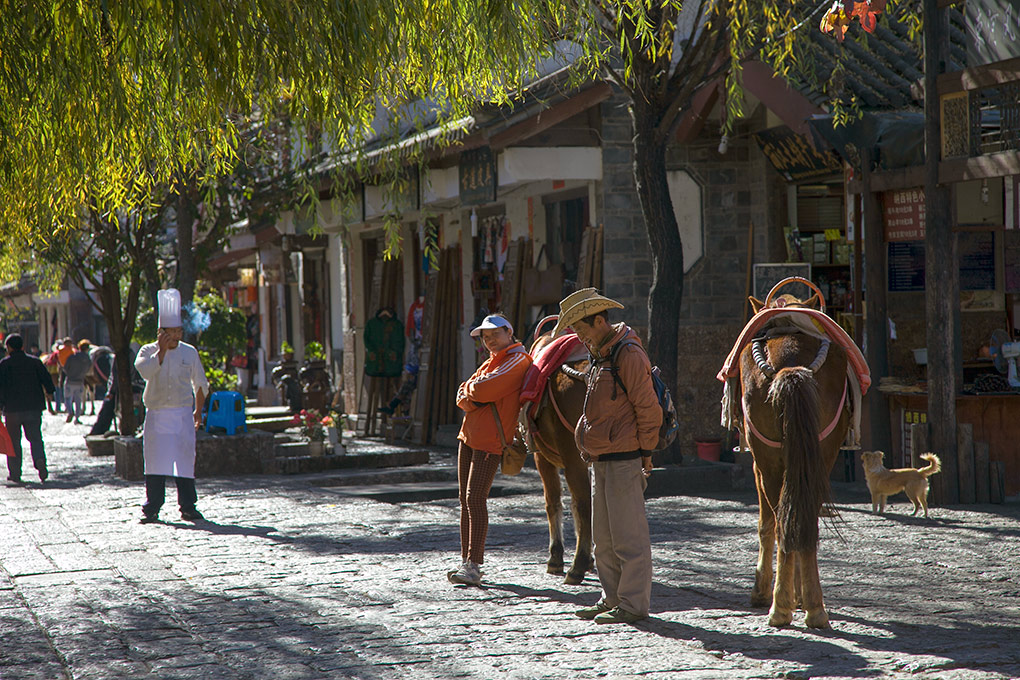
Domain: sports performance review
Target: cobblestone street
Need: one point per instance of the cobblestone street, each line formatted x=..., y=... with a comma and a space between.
x=290, y=580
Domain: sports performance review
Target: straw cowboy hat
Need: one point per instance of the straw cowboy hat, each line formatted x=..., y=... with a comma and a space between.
x=580, y=304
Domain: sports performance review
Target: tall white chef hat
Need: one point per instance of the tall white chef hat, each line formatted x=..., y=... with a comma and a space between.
x=169, y=308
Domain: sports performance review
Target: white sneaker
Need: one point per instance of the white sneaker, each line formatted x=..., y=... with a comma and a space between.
x=469, y=574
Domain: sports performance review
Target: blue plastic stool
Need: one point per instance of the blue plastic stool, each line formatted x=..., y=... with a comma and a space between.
x=225, y=411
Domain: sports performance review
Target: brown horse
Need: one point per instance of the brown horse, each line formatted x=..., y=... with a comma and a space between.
x=553, y=444
x=794, y=422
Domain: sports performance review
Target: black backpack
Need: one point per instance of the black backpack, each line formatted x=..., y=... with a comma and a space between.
x=670, y=425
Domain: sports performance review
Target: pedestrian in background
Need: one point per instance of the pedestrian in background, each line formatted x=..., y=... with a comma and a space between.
x=76, y=367
x=175, y=389
x=617, y=432
x=497, y=382
x=24, y=382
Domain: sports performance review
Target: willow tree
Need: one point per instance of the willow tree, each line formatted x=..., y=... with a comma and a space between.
x=101, y=103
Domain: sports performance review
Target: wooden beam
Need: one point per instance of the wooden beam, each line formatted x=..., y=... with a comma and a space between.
x=1001, y=164
x=942, y=283
x=554, y=115
x=979, y=77
x=887, y=180
x=791, y=106
x=876, y=325
x=694, y=118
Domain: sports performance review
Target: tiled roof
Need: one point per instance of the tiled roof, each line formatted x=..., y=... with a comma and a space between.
x=880, y=71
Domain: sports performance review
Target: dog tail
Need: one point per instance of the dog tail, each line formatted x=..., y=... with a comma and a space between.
x=934, y=465
x=806, y=483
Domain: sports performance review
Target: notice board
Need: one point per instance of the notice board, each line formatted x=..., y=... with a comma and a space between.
x=906, y=266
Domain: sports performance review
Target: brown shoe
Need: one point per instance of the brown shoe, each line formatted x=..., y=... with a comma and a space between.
x=618, y=615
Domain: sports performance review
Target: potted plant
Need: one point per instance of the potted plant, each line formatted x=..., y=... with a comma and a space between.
x=314, y=351
x=313, y=427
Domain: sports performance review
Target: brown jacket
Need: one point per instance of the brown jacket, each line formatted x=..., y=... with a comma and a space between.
x=497, y=381
x=614, y=420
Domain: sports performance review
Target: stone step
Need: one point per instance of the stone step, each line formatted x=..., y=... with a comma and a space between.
x=254, y=412
x=422, y=483
x=302, y=464
x=271, y=424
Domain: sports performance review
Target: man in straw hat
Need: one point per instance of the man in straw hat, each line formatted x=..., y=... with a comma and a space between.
x=175, y=388
x=617, y=432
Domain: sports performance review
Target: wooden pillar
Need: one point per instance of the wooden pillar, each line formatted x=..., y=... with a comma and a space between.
x=876, y=329
x=942, y=289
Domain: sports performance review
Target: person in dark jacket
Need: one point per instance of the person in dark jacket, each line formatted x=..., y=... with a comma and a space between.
x=23, y=384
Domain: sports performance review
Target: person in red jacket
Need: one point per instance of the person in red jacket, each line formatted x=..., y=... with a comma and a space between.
x=497, y=381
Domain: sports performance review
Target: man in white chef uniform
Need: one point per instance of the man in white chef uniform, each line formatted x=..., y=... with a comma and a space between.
x=175, y=389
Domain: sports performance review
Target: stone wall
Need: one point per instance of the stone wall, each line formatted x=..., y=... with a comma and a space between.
x=702, y=352
x=738, y=187
x=215, y=455
x=627, y=264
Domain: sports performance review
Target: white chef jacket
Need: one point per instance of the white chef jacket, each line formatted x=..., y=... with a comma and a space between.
x=168, y=437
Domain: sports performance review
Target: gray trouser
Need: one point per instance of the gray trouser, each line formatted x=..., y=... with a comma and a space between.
x=623, y=548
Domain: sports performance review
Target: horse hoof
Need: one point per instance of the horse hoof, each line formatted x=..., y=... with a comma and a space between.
x=761, y=599
x=779, y=619
x=573, y=579
x=553, y=569
x=817, y=619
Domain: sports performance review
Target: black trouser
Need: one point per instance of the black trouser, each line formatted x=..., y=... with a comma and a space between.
x=105, y=417
x=31, y=423
x=155, y=493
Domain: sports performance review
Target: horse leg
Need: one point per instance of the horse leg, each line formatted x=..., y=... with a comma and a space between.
x=579, y=483
x=784, y=595
x=811, y=589
x=761, y=594
x=553, y=492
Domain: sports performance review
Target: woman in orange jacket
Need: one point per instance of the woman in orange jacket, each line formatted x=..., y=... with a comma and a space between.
x=497, y=381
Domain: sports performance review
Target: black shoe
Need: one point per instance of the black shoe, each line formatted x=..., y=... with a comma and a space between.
x=191, y=516
x=44, y=474
x=12, y=478
x=385, y=409
x=149, y=519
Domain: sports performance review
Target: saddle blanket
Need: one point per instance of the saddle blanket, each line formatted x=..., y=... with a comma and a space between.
x=546, y=363
x=812, y=322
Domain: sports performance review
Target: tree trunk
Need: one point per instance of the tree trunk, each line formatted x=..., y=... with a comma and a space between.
x=186, y=215
x=665, y=245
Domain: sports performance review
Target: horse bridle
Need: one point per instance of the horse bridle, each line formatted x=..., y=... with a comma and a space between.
x=759, y=353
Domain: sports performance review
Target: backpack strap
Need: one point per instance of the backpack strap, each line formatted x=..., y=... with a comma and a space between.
x=613, y=368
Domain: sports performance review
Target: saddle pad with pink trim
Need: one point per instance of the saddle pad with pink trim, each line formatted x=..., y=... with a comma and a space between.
x=823, y=325
x=549, y=360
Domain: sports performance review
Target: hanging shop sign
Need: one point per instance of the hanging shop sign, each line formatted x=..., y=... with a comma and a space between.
x=993, y=31
x=477, y=176
x=903, y=215
x=793, y=157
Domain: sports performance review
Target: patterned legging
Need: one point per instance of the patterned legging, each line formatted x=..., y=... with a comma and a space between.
x=475, y=472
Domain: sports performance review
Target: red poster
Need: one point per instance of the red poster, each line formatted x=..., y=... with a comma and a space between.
x=903, y=214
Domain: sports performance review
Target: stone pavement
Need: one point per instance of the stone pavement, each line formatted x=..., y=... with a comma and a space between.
x=290, y=580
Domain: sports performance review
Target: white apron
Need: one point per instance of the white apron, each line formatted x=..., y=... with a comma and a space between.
x=168, y=442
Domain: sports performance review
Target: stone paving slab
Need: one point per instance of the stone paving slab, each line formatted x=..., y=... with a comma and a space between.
x=288, y=579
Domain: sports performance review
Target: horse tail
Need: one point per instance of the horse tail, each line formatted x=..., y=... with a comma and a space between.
x=796, y=397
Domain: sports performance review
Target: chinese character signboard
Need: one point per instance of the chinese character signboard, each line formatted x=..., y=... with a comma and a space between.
x=793, y=157
x=993, y=31
x=477, y=176
x=903, y=214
